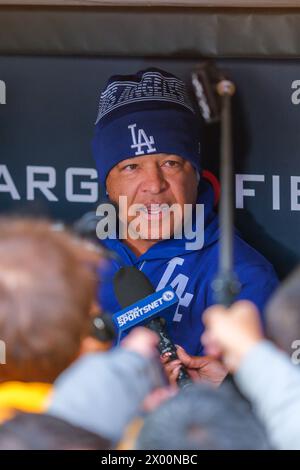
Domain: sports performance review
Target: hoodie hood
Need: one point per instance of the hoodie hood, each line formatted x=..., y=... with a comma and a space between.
x=166, y=249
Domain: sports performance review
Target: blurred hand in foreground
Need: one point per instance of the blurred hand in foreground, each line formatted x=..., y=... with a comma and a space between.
x=231, y=333
x=141, y=341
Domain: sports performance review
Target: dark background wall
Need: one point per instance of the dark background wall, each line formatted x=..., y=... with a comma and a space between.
x=49, y=104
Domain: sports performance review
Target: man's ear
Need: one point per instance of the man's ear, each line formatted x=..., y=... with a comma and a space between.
x=107, y=200
x=95, y=309
x=91, y=345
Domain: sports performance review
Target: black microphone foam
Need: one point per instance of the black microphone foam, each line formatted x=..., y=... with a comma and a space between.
x=131, y=285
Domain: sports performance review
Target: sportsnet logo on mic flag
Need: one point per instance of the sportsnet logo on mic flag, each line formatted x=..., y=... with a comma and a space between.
x=145, y=309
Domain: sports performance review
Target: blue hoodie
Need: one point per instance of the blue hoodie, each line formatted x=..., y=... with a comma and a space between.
x=190, y=273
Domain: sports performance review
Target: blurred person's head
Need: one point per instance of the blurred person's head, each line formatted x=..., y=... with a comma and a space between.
x=47, y=291
x=283, y=313
x=31, y=431
x=200, y=417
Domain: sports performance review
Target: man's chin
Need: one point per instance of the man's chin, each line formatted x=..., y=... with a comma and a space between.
x=153, y=236
x=154, y=228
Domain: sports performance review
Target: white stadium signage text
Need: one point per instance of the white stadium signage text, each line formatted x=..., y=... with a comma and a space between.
x=295, y=97
x=42, y=181
x=2, y=92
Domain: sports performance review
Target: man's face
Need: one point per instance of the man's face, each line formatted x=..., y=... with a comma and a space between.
x=150, y=181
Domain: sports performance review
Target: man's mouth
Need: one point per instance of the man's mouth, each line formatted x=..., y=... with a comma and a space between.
x=154, y=210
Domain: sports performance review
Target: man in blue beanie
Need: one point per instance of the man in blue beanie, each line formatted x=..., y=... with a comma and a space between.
x=146, y=147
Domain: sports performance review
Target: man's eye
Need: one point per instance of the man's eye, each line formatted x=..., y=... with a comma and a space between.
x=130, y=167
x=171, y=163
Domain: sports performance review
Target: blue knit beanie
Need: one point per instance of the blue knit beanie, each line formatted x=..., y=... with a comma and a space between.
x=143, y=114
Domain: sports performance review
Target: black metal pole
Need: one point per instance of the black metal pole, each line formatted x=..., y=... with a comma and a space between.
x=226, y=285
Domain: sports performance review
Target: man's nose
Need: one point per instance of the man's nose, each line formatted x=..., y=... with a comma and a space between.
x=154, y=181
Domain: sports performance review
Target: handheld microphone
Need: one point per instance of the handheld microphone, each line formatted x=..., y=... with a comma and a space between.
x=211, y=86
x=132, y=286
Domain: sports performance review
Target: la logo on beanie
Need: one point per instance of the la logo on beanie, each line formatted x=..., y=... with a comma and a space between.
x=141, y=140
